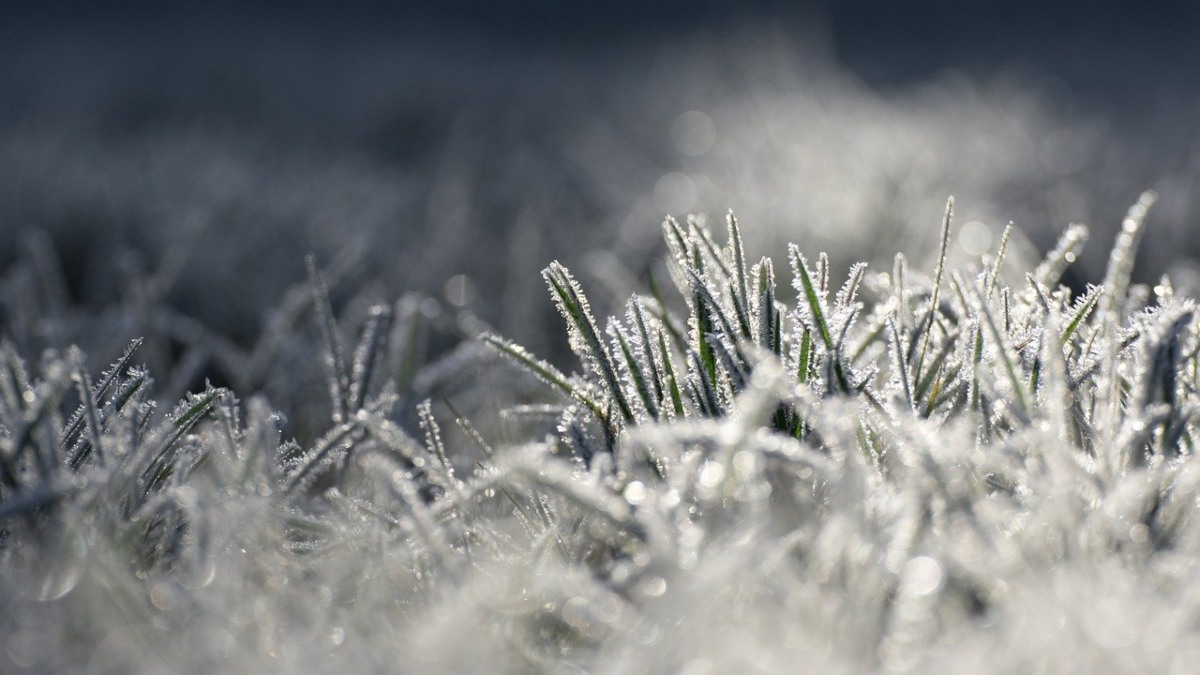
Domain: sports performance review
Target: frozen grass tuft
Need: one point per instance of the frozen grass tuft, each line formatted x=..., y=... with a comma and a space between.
x=964, y=468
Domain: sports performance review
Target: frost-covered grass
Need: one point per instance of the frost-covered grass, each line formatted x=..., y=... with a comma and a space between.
x=962, y=468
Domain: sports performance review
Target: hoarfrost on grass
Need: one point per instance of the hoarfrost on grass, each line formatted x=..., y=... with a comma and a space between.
x=954, y=468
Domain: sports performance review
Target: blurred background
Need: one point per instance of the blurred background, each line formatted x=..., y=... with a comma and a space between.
x=196, y=154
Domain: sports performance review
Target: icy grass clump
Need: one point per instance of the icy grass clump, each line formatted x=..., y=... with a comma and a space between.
x=969, y=470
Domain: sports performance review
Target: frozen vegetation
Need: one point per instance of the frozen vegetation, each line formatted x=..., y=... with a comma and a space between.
x=281, y=389
x=755, y=465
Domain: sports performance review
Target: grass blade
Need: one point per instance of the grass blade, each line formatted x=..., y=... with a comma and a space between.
x=1070, y=243
x=366, y=354
x=335, y=361
x=939, y=272
x=585, y=342
x=544, y=372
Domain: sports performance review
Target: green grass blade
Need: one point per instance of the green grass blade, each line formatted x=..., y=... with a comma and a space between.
x=739, y=287
x=634, y=368
x=804, y=361
x=900, y=364
x=997, y=264
x=1083, y=308
x=770, y=331
x=544, y=372
x=641, y=321
x=586, y=340
x=934, y=367
x=939, y=272
x=800, y=268
x=669, y=375
x=1003, y=348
